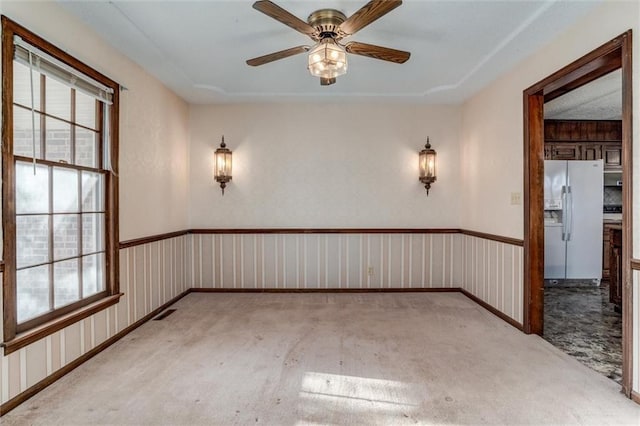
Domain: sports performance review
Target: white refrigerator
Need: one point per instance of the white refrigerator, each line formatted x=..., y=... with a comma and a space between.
x=573, y=220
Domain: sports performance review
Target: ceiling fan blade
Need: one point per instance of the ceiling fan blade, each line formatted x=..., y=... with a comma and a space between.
x=279, y=14
x=261, y=60
x=367, y=14
x=377, y=52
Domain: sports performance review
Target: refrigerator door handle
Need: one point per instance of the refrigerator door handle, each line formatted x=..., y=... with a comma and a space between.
x=570, y=211
x=564, y=212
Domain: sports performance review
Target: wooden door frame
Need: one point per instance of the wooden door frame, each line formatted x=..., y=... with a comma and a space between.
x=612, y=55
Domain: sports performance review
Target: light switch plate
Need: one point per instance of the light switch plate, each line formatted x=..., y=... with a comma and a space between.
x=516, y=198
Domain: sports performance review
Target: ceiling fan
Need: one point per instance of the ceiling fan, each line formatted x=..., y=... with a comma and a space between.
x=327, y=27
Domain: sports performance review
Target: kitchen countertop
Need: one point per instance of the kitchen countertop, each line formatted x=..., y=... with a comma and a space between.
x=607, y=219
x=612, y=218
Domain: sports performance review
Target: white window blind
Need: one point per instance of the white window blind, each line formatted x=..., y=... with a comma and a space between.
x=53, y=68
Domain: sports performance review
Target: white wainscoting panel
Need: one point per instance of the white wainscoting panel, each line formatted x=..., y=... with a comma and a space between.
x=150, y=275
x=325, y=261
x=493, y=272
x=635, y=378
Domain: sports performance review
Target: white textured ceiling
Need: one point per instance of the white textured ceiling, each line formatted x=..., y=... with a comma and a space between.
x=199, y=48
x=599, y=100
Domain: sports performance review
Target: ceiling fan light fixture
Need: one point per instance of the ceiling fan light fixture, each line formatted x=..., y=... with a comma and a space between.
x=327, y=27
x=327, y=59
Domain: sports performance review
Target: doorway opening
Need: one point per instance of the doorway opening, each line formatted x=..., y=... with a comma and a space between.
x=582, y=224
x=614, y=55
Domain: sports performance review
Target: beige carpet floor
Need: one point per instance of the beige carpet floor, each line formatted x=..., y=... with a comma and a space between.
x=308, y=359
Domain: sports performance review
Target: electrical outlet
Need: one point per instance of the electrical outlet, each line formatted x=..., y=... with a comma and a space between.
x=370, y=271
x=516, y=198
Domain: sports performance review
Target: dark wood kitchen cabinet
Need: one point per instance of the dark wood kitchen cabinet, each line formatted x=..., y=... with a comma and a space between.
x=612, y=156
x=591, y=151
x=606, y=245
x=565, y=151
x=615, y=267
x=584, y=140
x=611, y=153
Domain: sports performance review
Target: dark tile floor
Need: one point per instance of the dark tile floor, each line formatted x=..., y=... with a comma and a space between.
x=580, y=321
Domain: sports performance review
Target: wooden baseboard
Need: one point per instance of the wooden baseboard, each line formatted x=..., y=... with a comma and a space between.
x=635, y=397
x=324, y=290
x=493, y=310
x=23, y=396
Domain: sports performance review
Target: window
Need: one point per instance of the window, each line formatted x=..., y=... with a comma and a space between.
x=60, y=186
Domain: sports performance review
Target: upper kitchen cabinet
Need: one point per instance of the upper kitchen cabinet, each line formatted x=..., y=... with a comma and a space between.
x=591, y=151
x=612, y=156
x=565, y=151
x=584, y=140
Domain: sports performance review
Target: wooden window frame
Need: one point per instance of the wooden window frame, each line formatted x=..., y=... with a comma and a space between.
x=17, y=336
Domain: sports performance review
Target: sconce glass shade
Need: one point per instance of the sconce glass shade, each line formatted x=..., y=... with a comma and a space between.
x=427, y=166
x=222, y=165
x=327, y=59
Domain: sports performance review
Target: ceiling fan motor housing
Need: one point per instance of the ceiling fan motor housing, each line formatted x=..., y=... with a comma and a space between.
x=326, y=22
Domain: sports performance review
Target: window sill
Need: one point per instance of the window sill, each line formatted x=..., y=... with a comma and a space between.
x=44, y=330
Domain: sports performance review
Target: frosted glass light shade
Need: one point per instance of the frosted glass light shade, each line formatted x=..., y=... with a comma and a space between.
x=327, y=59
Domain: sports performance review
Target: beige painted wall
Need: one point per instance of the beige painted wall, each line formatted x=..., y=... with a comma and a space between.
x=153, y=123
x=492, y=135
x=324, y=165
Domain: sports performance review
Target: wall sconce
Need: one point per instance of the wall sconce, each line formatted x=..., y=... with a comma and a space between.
x=427, y=163
x=222, y=165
